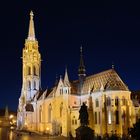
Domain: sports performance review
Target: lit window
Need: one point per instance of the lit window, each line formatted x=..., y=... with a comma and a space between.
x=109, y=117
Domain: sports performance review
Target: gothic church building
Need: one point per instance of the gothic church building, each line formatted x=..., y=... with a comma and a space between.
x=56, y=110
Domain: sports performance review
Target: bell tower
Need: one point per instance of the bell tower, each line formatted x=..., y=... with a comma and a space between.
x=31, y=64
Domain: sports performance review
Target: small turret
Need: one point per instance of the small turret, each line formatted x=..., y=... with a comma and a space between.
x=66, y=78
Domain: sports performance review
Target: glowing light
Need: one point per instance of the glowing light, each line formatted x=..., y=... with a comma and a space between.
x=109, y=117
x=47, y=128
x=26, y=123
x=11, y=116
x=11, y=127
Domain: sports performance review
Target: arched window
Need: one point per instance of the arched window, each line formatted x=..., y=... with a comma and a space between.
x=109, y=117
x=74, y=121
x=108, y=101
x=28, y=70
x=34, y=70
x=117, y=116
x=116, y=101
x=29, y=85
x=49, y=113
x=124, y=116
x=61, y=91
x=99, y=118
x=34, y=84
x=40, y=114
x=95, y=121
x=61, y=108
x=97, y=103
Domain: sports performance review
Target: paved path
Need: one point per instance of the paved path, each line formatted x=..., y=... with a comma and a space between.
x=6, y=134
x=26, y=137
x=34, y=137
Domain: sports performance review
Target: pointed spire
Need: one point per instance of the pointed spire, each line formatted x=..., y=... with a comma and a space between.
x=6, y=112
x=66, y=78
x=81, y=70
x=31, y=33
x=102, y=87
x=113, y=65
x=56, y=80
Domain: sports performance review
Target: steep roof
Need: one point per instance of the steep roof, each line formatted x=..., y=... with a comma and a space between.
x=107, y=80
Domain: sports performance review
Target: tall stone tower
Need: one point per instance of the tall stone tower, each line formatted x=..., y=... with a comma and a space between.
x=31, y=61
x=31, y=73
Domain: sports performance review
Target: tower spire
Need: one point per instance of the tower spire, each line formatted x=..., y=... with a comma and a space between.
x=6, y=112
x=31, y=33
x=81, y=70
x=113, y=65
x=66, y=78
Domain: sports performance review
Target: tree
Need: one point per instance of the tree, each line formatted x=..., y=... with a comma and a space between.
x=135, y=131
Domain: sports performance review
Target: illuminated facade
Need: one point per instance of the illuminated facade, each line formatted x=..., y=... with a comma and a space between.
x=56, y=110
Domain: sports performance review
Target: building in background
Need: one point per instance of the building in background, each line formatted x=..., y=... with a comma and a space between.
x=56, y=110
x=7, y=118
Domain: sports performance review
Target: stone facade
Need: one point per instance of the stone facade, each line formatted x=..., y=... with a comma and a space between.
x=56, y=110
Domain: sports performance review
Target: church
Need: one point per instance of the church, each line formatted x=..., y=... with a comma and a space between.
x=55, y=111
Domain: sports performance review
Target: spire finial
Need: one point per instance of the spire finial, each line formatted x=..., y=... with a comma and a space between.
x=31, y=33
x=66, y=78
x=81, y=70
x=81, y=49
x=31, y=14
x=6, y=112
x=113, y=65
x=56, y=80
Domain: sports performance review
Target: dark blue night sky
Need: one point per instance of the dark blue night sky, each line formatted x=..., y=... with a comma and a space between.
x=108, y=31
